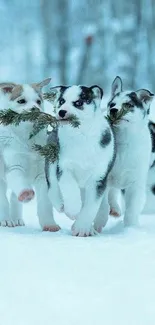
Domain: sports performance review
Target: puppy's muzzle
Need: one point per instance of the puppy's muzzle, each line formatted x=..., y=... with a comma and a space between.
x=113, y=112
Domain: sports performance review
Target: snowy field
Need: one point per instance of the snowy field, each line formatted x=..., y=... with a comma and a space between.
x=54, y=278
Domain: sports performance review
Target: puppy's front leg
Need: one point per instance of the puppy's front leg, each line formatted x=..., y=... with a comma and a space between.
x=134, y=200
x=16, y=210
x=71, y=194
x=103, y=213
x=115, y=209
x=18, y=182
x=54, y=189
x=93, y=197
x=44, y=206
x=5, y=219
x=17, y=172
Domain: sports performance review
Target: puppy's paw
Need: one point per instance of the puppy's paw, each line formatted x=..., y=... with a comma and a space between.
x=98, y=227
x=26, y=195
x=19, y=223
x=115, y=211
x=82, y=230
x=100, y=223
x=52, y=228
x=7, y=223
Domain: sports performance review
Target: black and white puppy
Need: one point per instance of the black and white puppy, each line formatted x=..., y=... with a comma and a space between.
x=133, y=147
x=78, y=179
x=150, y=201
x=116, y=199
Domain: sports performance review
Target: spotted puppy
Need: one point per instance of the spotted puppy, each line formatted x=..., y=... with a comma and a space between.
x=133, y=147
x=78, y=179
x=21, y=168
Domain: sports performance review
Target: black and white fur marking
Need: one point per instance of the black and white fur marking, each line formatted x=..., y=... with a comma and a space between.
x=133, y=149
x=150, y=199
x=85, y=159
x=117, y=208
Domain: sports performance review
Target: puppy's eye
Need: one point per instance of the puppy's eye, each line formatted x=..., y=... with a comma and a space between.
x=38, y=102
x=127, y=106
x=61, y=101
x=88, y=101
x=21, y=101
x=78, y=103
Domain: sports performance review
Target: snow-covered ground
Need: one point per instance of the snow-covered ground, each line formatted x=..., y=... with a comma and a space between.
x=54, y=278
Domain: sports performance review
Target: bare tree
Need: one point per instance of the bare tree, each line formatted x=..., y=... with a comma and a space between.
x=85, y=59
x=46, y=13
x=126, y=24
x=63, y=37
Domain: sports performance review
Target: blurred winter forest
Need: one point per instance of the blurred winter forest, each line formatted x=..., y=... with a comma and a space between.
x=78, y=41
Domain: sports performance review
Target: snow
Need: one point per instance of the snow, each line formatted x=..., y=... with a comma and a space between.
x=54, y=278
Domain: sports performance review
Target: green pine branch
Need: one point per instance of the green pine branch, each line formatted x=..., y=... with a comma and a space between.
x=10, y=117
x=115, y=120
x=40, y=120
x=50, y=96
x=50, y=151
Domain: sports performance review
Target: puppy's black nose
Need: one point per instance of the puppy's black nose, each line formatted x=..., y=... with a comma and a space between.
x=62, y=113
x=113, y=111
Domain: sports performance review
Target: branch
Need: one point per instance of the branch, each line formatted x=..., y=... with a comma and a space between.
x=117, y=119
x=50, y=96
x=40, y=120
x=8, y=116
x=50, y=151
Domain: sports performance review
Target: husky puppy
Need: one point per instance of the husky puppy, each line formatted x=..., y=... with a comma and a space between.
x=133, y=147
x=150, y=200
x=116, y=205
x=21, y=168
x=78, y=179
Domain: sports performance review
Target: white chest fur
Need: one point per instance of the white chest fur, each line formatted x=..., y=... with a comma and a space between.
x=80, y=149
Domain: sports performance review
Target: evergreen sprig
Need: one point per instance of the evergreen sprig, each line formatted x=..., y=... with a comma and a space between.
x=50, y=151
x=115, y=120
x=10, y=117
x=50, y=96
x=40, y=120
x=44, y=120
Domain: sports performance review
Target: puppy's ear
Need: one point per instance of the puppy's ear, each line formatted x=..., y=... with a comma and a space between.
x=7, y=87
x=117, y=86
x=39, y=85
x=55, y=92
x=145, y=96
x=98, y=91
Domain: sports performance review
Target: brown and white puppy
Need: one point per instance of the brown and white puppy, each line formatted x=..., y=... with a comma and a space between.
x=21, y=168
